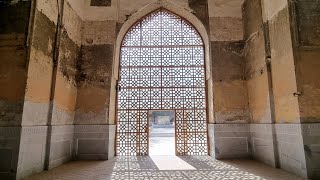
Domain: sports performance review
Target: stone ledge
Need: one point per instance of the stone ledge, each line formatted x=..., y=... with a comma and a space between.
x=60, y=145
x=311, y=144
x=290, y=148
x=91, y=142
x=9, y=151
x=263, y=145
x=32, y=150
x=229, y=140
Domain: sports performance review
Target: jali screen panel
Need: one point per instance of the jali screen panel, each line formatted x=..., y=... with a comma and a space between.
x=162, y=68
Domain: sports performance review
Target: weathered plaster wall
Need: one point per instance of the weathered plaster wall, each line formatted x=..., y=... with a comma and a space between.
x=307, y=47
x=308, y=62
x=44, y=70
x=32, y=149
x=40, y=70
x=259, y=83
x=228, y=64
x=200, y=10
x=307, y=19
x=93, y=78
x=105, y=11
x=309, y=84
x=95, y=70
x=127, y=8
x=65, y=92
x=230, y=136
x=287, y=130
x=225, y=18
x=60, y=123
x=99, y=29
x=283, y=35
x=282, y=63
x=50, y=90
x=256, y=67
x=14, y=20
x=229, y=85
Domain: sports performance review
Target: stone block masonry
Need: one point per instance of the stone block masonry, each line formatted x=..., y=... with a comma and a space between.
x=61, y=145
x=14, y=21
x=9, y=151
x=32, y=150
x=230, y=141
x=91, y=142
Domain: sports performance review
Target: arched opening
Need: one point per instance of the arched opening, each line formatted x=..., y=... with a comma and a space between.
x=162, y=67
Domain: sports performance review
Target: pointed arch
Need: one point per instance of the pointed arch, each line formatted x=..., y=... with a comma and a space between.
x=173, y=8
x=179, y=11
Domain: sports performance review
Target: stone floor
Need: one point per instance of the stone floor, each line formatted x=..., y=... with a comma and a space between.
x=163, y=167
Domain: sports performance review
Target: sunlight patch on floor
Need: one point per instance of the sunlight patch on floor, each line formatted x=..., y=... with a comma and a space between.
x=171, y=163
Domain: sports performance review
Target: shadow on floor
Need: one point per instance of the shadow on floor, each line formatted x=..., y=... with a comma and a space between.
x=150, y=167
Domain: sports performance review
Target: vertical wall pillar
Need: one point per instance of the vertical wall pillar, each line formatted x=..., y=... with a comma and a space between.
x=93, y=134
x=259, y=84
x=36, y=109
x=64, y=90
x=48, y=112
x=14, y=23
x=230, y=135
x=304, y=16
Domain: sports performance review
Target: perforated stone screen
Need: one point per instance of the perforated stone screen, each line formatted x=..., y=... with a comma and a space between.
x=162, y=68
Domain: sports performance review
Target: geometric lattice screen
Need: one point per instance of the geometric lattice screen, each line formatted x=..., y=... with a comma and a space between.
x=162, y=68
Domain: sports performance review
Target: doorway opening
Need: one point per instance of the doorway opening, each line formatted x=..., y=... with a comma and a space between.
x=162, y=67
x=161, y=132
